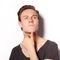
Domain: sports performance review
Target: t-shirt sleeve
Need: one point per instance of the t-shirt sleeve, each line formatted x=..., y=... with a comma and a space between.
x=52, y=52
x=13, y=55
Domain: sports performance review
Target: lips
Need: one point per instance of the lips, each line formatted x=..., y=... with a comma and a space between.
x=31, y=25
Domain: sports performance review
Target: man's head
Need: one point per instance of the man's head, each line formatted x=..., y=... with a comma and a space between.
x=28, y=18
x=24, y=8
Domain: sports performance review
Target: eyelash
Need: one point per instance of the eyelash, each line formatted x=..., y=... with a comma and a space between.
x=25, y=17
x=32, y=17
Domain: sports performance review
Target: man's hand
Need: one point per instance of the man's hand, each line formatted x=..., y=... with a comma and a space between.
x=28, y=42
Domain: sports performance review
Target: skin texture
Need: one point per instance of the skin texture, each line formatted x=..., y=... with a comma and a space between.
x=29, y=20
x=29, y=23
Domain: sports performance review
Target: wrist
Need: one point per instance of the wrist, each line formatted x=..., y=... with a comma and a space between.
x=33, y=55
x=31, y=50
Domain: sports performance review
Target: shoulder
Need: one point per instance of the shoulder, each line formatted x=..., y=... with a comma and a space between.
x=52, y=46
x=16, y=49
x=52, y=43
x=52, y=50
x=14, y=53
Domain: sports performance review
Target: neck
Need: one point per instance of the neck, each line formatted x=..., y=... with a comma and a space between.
x=36, y=36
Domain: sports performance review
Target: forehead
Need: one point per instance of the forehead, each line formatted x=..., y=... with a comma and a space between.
x=29, y=12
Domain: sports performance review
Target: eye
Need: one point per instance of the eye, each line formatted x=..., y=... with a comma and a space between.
x=25, y=17
x=34, y=17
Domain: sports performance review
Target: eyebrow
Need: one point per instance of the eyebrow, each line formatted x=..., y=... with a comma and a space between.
x=27, y=15
x=35, y=15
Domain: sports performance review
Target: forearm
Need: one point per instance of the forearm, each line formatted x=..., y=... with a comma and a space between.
x=33, y=55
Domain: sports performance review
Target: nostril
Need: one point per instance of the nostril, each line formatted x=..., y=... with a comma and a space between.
x=31, y=21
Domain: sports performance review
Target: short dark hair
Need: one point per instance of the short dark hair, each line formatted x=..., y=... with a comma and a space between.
x=24, y=8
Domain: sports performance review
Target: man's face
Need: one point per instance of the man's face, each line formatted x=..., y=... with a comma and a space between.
x=29, y=20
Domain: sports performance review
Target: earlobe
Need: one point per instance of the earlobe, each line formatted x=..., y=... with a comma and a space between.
x=20, y=24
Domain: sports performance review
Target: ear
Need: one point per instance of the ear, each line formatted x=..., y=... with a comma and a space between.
x=20, y=24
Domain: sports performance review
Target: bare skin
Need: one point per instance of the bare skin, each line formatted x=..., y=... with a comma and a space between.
x=28, y=47
x=31, y=43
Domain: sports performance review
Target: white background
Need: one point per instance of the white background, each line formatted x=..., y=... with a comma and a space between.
x=10, y=33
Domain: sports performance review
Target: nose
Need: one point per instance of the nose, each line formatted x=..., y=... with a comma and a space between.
x=31, y=20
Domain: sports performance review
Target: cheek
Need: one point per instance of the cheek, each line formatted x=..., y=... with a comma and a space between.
x=37, y=25
x=24, y=25
x=36, y=22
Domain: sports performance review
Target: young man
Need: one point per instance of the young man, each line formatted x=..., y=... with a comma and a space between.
x=33, y=47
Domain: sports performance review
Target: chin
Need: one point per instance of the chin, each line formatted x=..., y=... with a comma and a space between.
x=32, y=31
